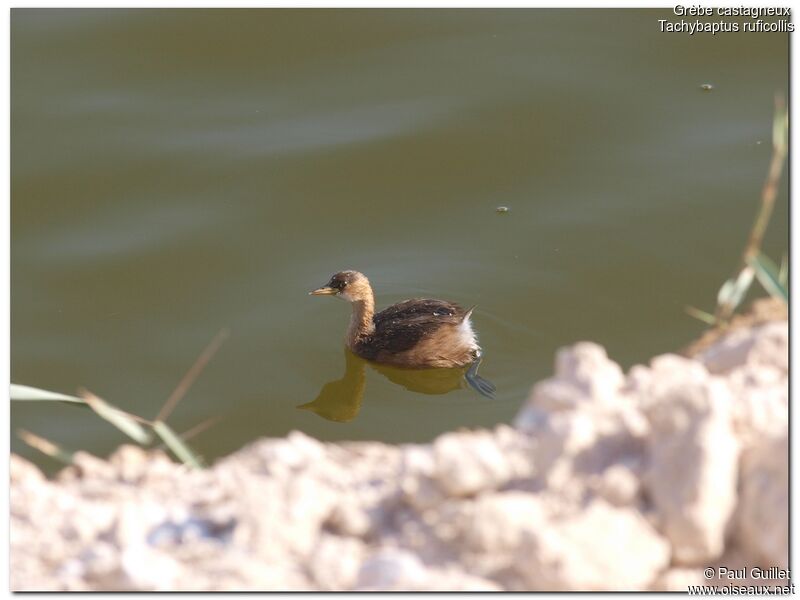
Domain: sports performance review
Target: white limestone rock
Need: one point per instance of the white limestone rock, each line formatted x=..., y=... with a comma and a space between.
x=391, y=570
x=599, y=548
x=467, y=463
x=693, y=456
x=762, y=526
x=764, y=345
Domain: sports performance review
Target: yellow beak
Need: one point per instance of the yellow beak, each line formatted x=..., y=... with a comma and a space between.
x=324, y=291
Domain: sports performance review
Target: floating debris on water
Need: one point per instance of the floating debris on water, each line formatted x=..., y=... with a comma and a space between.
x=706, y=87
x=502, y=209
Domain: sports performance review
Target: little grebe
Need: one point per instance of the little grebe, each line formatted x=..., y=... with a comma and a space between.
x=419, y=333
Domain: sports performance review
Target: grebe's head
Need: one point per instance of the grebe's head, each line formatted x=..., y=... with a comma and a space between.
x=348, y=285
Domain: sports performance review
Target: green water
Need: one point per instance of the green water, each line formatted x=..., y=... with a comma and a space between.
x=175, y=172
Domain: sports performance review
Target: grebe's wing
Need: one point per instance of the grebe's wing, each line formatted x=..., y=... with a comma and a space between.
x=420, y=307
x=401, y=326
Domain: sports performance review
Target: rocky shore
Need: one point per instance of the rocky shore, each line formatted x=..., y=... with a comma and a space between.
x=605, y=481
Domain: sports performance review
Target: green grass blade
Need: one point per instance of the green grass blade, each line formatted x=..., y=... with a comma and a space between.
x=701, y=315
x=118, y=418
x=768, y=275
x=783, y=274
x=196, y=430
x=733, y=290
x=174, y=443
x=780, y=127
x=45, y=446
x=192, y=374
x=26, y=392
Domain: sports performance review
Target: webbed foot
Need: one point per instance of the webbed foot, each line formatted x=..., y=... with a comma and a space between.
x=483, y=386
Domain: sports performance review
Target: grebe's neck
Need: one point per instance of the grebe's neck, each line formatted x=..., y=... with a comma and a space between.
x=361, y=324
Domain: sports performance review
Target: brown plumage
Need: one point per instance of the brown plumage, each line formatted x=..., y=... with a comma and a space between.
x=418, y=333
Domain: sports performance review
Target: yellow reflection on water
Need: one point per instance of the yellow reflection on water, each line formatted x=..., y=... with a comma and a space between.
x=340, y=400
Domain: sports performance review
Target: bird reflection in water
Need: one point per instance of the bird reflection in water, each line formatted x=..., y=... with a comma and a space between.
x=340, y=400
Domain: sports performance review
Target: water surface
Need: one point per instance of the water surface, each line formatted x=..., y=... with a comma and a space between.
x=175, y=172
